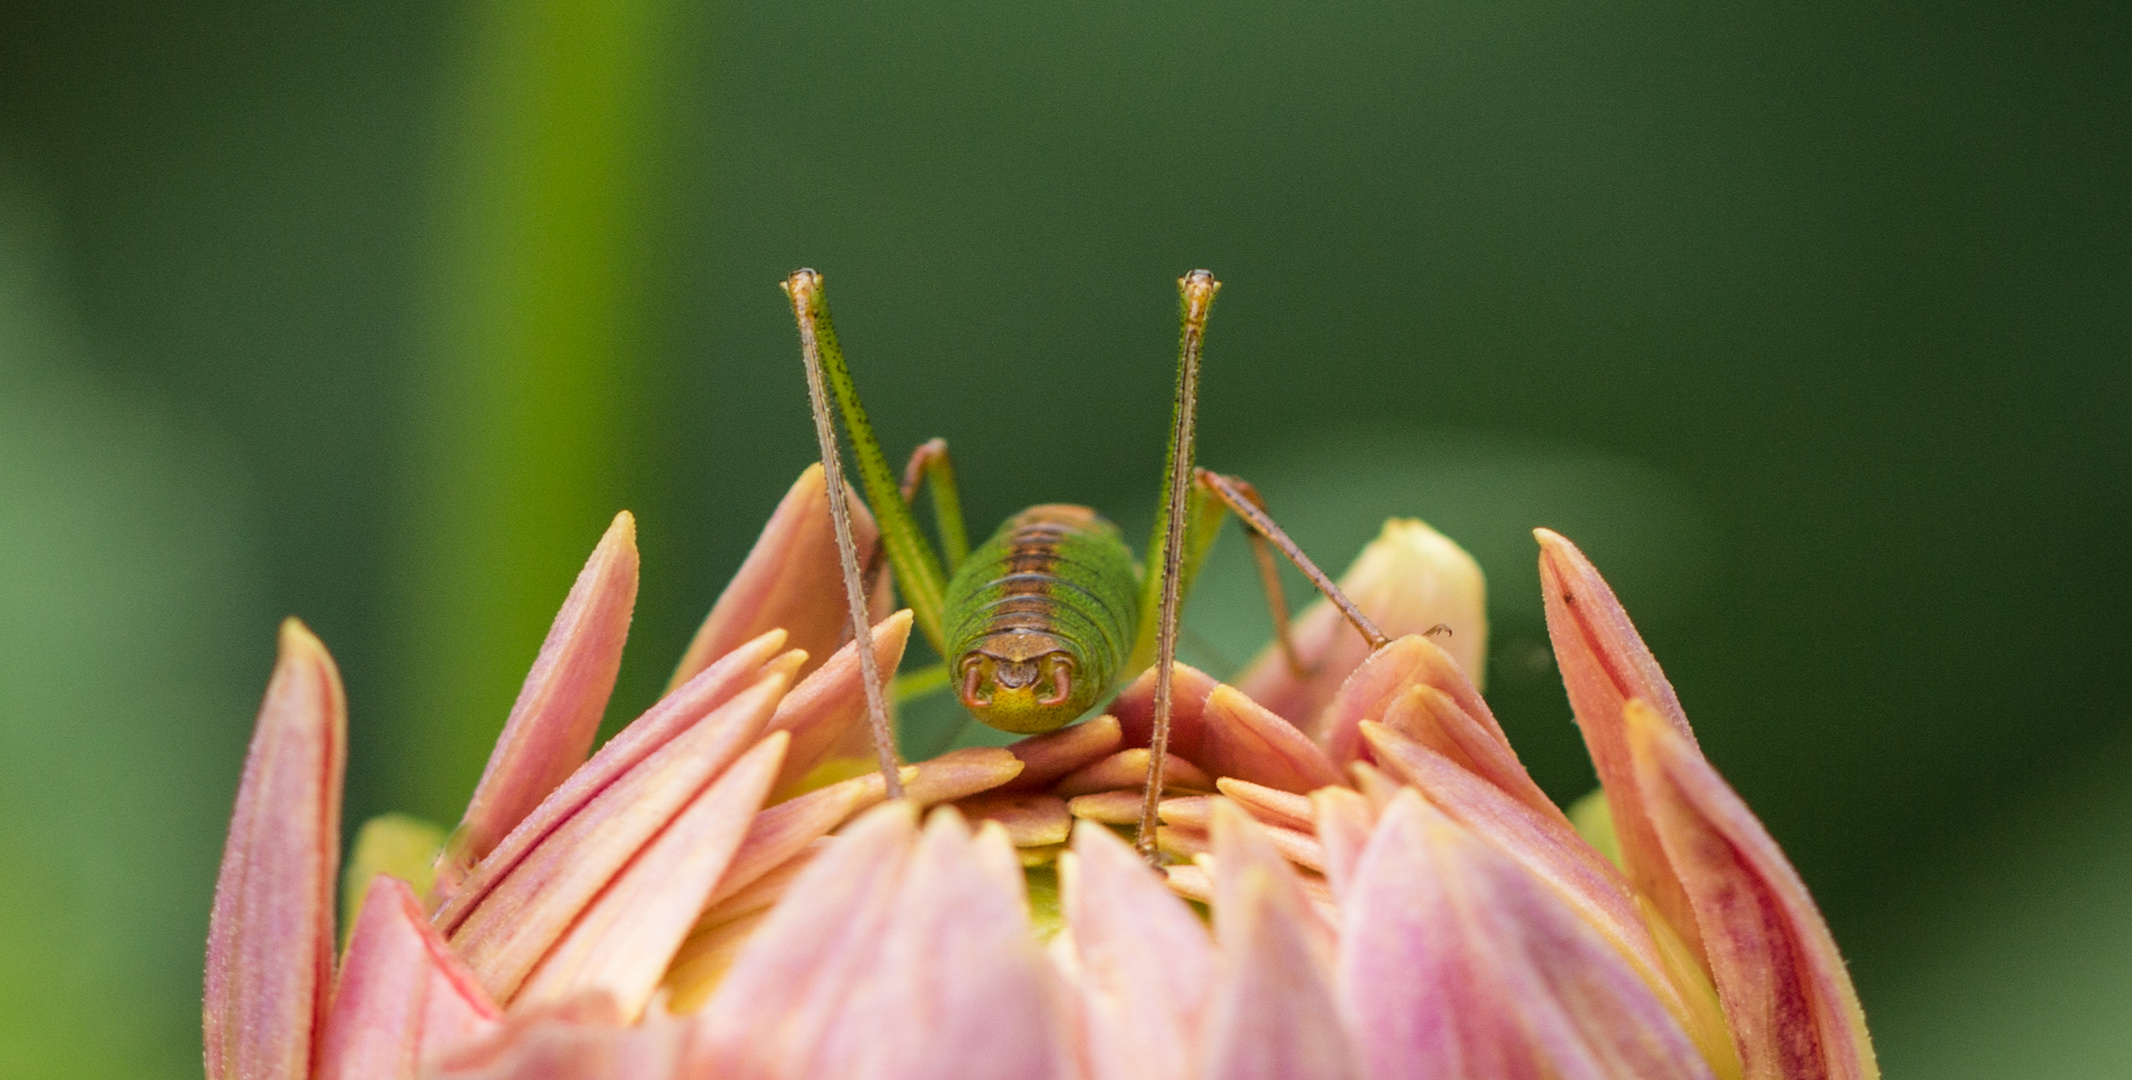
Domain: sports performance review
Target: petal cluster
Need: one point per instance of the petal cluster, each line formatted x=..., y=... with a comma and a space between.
x=1363, y=880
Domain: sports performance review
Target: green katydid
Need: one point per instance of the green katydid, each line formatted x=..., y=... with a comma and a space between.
x=1043, y=620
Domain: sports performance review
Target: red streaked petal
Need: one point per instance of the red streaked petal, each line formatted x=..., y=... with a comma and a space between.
x=1144, y=959
x=1409, y=580
x=1788, y=998
x=1604, y=663
x=1273, y=1014
x=519, y=919
x=828, y=704
x=1240, y=738
x=270, y=936
x=791, y=580
x=565, y=694
x=789, y=985
x=1458, y=962
x=1547, y=847
x=402, y=998
x=960, y=987
x=677, y=712
x=623, y=942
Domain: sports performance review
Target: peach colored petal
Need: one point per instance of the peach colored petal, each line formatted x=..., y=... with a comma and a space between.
x=1604, y=662
x=1128, y=769
x=1458, y=962
x=792, y=980
x=270, y=936
x=1270, y=805
x=679, y=711
x=1409, y=580
x=1548, y=848
x=791, y=580
x=1433, y=718
x=959, y=990
x=1121, y=807
x=1240, y=738
x=1793, y=1011
x=577, y=1041
x=623, y=942
x=402, y=998
x=523, y=915
x=1191, y=811
x=1045, y=758
x=780, y=833
x=1031, y=819
x=1191, y=881
x=1183, y=841
x=1273, y=1013
x=1343, y=823
x=1144, y=960
x=828, y=704
x=1135, y=708
x=565, y=694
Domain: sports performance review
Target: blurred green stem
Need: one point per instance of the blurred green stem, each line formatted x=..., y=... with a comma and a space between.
x=532, y=353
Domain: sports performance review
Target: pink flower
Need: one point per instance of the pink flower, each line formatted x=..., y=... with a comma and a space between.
x=1367, y=884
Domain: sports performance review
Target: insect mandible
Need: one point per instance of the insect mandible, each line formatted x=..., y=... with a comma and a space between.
x=1045, y=618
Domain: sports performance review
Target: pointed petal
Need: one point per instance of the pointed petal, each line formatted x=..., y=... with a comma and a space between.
x=405, y=847
x=622, y=943
x=1790, y=1001
x=1191, y=811
x=1409, y=580
x=403, y=998
x=270, y=937
x=559, y=708
x=1144, y=959
x=529, y=909
x=1604, y=663
x=1135, y=708
x=791, y=580
x=789, y=984
x=578, y=1041
x=1270, y=805
x=1344, y=821
x=1240, y=738
x=1547, y=847
x=1120, y=807
x=1273, y=1014
x=1031, y=820
x=960, y=990
x=1412, y=685
x=780, y=833
x=679, y=711
x=1128, y=769
x=1045, y=758
x=1457, y=962
x=829, y=703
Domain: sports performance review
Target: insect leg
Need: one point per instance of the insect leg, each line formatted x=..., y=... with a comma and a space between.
x=1269, y=574
x=1244, y=500
x=804, y=287
x=930, y=463
x=1196, y=298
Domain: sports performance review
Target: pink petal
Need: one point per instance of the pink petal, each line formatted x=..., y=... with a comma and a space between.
x=1031, y=819
x=623, y=942
x=523, y=915
x=1135, y=708
x=577, y=1041
x=1414, y=686
x=791, y=580
x=1128, y=769
x=789, y=986
x=1270, y=805
x=675, y=713
x=1547, y=847
x=1787, y=996
x=1273, y=1013
x=403, y=998
x=779, y=833
x=959, y=990
x=1144, y=958
x=829, y=704
x=1409, y=580
x=1344, y=820
x=1457, y=962
x=1045, y=758
x=1240, y=738
x=270, y=937
x=559, y=709
x=1604, y=663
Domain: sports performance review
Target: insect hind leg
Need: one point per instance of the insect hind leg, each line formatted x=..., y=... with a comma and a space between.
x=1266, y=537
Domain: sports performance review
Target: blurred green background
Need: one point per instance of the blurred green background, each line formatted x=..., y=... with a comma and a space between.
x=1810, y=321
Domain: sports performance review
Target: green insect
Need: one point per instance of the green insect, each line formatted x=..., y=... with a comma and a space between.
x=1042, y=621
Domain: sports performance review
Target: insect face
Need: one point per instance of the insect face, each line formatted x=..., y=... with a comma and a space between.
x=1022, y=681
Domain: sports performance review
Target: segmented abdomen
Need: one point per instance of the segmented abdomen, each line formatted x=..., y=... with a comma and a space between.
x=1054, y=570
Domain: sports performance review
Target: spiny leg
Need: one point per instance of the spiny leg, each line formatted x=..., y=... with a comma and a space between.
x=805, y=289
x=1196, y=297
x=1243, y=500
x=1269, y=574
x=929, y=463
